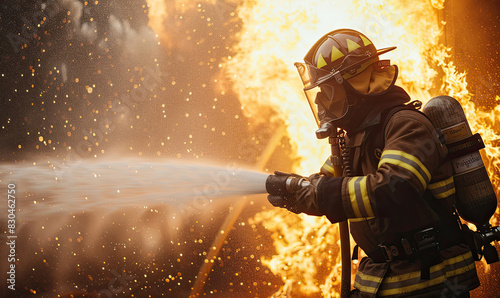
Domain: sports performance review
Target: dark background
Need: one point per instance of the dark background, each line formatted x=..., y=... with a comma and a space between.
x=473, y=32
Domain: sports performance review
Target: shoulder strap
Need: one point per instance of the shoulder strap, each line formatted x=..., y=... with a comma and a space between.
x=378, y=132
x=414, y=105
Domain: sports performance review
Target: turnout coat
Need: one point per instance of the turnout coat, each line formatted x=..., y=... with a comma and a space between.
x=399, y=203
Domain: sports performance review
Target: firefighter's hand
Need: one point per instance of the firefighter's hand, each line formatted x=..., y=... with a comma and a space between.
x=303, y=200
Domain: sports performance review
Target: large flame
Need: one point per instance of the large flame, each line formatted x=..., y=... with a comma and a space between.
x=277, y=33
x=274, y=36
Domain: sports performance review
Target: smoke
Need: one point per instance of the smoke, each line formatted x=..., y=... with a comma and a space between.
x=102, y=25
x=92, y=79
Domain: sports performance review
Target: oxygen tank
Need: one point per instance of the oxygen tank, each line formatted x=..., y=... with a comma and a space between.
x=475, y=197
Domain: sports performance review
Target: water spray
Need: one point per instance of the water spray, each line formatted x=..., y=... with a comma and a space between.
x=113, y=185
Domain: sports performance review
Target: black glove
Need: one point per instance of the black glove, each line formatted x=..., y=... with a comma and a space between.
x=303, y=200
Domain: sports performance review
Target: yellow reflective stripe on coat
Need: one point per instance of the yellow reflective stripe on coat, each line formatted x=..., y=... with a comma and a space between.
x=442, y=189
x=409, y=162
x=365, y=289
x=367, y=283
x=359, y=219
x=358, y=194
x=410, y=282
x=327, y=166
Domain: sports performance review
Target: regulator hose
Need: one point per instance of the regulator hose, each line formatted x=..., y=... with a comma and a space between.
x=339, y=150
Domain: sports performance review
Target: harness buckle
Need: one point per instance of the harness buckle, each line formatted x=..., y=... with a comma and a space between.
x=389, y=252
x=406, y=246
x=426, y=239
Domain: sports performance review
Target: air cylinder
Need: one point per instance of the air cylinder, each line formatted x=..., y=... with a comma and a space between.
x=475, y=196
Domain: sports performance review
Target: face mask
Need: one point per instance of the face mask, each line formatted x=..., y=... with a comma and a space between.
x=333, y=99
x=331, y=104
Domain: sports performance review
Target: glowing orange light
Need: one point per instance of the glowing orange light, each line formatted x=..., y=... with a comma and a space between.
x=262, y=74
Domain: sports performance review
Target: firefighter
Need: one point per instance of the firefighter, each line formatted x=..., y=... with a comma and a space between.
x=399, y=194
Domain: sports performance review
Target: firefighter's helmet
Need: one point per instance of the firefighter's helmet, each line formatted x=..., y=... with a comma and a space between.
x=342, y=54
x=341, y=62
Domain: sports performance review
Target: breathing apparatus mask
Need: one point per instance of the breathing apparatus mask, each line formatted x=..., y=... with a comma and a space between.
x=340, y=70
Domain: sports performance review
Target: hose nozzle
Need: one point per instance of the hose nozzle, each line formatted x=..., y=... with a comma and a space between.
x=280, y=185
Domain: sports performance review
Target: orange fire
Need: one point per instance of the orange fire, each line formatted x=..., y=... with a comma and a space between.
x=157, y=18
x=262, y=73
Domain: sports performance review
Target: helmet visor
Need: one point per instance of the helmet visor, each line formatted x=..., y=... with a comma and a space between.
x=310, y=93
x=328, y=100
